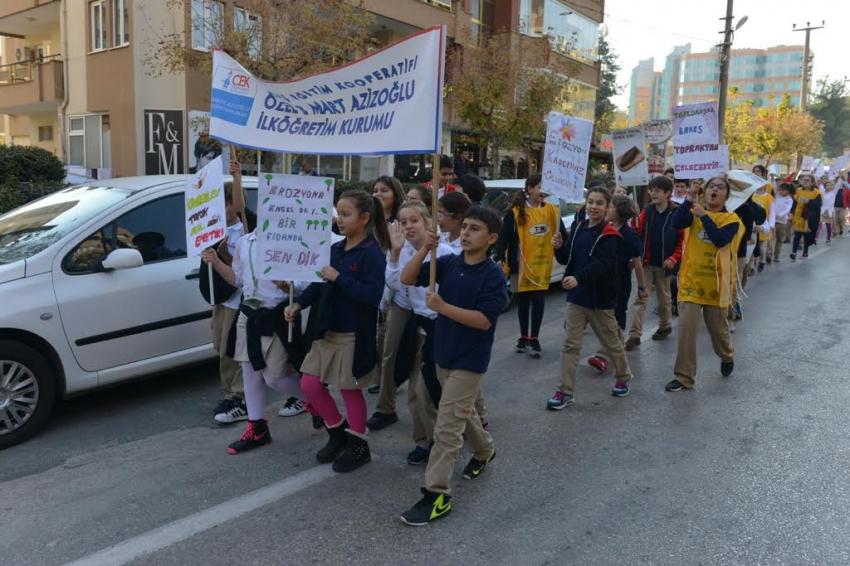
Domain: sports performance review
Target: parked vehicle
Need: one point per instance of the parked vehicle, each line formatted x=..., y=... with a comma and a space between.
x=96, y=289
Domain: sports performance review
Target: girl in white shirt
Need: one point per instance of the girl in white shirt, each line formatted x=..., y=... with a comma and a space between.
x=827, y=211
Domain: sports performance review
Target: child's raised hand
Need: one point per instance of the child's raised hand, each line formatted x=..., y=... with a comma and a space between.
x=396, y=236
x=434, y=301
x=210, y=256
x=289, y=313
x=235, y=168
x=431, y=240
x=698, y=210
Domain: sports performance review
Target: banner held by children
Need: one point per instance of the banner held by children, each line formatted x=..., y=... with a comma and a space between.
x=566, y=156
x=630, y=163
x=389, y=102
x=696, y=141
x=743, y=185
x=294, y=217
x=206, y=217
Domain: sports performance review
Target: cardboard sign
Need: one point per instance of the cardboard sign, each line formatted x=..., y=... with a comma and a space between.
x=743, y=184
x=566, y=156
x=630, y=162
x=695, y=142
x=388, y=102
x=294, y=218
x=206, y=218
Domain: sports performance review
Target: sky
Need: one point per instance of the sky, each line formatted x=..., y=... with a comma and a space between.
x=639, y=29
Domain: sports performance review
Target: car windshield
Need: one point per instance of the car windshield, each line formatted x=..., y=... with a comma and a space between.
x=31, y=228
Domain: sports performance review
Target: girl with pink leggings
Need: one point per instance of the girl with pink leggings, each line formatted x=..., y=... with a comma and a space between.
x=343, y=327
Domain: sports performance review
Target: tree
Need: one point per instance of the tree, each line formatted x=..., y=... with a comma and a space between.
x=609, y=67
x=499, y=98
x=831, y=106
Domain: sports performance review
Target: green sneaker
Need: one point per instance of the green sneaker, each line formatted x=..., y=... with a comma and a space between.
x=473, y=469
x=431, y=507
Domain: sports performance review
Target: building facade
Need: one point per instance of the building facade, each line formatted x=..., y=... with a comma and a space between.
x=764, y=76
x=76, y=77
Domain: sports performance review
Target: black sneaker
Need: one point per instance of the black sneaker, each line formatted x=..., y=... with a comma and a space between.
x=535, y=351
x=418, y=456
x=379, y=420
x=662, y=333
x=521, y=345
x=674, y=386
x=761, y=266
x=256, y=434
x=793, y=257
x=726, y=368
x=238, y=411
x=223, y=406
x=431, y=507
x=473, y=469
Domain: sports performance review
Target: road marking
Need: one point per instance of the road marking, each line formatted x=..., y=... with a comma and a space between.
x=187, y=527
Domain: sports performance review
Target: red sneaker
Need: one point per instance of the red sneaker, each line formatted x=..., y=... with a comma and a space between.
x=256, y=434
x=598, y=363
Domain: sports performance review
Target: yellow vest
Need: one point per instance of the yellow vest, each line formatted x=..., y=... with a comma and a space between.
x=802, y=197
x=766, y=202
x=535, y=249
x=708, y=274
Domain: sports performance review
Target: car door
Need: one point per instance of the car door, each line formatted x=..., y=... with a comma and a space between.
x=131, y=315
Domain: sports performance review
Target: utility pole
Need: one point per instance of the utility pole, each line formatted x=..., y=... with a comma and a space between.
x=725, y=50
x=804, y=89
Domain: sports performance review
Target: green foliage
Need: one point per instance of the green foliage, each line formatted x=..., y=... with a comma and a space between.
x=831, y=105
x=13, y=196
x=26, y=164
x=609, y=66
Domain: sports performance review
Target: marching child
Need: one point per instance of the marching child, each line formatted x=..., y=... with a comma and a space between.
x=707, y=279
x=782, y=208
x=805, y=212
x=662, y=250
x=453, y=207
x=764, y=231
x=591, y=281
x=342, y=326
x=828, y=208
x=472, y=295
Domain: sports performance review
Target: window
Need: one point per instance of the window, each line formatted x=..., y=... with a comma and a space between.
x=98, y=26
x=120, y=23
x=207, y=20
x=76, y=141
x=85, y=140
x=248, y=23
x=45, y=133
x=156, y=229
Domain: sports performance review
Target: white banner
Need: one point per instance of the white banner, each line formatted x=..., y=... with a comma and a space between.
x=695, y=142
x=206, y=218
x=294, y=216
x=630, y=163
x=743, y=184
x=566, y=156
x=808, y=163
x=388, y=102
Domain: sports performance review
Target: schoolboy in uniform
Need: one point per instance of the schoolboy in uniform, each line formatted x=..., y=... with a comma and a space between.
x=472, y=295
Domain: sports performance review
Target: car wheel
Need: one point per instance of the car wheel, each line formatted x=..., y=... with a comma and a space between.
x=27, y=392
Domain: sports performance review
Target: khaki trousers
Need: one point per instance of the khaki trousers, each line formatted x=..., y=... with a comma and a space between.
x=778, y=237
x=604, y=325
x=685, y=368
x=419, y=402
x=840, y=219
x=396, y=320
x=456, y=416
x=661, y=281
x=229, y=370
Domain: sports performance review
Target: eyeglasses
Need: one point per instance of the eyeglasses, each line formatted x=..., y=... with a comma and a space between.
x=715, y=186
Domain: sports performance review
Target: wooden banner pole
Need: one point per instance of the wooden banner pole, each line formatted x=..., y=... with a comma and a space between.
x=435, y=202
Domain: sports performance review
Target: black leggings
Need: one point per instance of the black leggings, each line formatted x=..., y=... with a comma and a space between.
x=807, y=238
x=533, y=301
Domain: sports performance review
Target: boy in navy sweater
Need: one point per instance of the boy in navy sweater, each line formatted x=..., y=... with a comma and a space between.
x=472, y=295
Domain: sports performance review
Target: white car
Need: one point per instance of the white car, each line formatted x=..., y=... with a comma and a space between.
x=96, y=289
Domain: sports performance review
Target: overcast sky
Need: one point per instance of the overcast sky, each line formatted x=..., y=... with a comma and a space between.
x=639, y=29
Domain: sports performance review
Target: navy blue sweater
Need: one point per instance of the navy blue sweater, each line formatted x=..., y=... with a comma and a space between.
x=590, y=254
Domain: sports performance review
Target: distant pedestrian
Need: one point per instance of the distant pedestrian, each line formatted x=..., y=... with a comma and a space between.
x=805, y=212
x=782, y=226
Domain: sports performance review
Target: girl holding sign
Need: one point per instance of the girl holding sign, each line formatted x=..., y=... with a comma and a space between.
x=261, y=343
x=342, y=325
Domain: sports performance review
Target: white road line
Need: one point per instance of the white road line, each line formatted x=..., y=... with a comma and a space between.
x=187, y=527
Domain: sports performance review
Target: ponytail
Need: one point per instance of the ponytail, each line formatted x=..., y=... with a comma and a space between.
x=371, y=205
x=520, y=202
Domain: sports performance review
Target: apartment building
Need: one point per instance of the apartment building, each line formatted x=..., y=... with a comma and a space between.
x=76, y=76
x=764, y=76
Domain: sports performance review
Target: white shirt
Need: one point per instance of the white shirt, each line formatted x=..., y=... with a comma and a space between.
x=783, y=205
x=828, y=198
x=455, y=245
x=411, y=297
x=269, y=294
x=234, y=234
x=677, y=199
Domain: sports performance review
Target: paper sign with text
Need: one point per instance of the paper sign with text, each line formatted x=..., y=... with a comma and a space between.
x=294, y=218
x=566, y=156
x=630, y=163
x=206, y=218
x=695, y=142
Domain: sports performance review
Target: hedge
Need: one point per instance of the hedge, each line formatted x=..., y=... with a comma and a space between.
x=13, y=196
x=27, y=164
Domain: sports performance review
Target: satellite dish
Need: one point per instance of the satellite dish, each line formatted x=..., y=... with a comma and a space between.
x=741, y=23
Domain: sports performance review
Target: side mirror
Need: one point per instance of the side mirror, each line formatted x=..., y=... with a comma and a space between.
x=124, y=258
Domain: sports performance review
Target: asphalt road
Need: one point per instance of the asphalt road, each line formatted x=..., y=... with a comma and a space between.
x=744, y=470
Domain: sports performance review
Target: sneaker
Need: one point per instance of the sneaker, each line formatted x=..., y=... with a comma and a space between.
x=379, y=420
x=521, y=345
x=292, y=407
x=662, y=333
x=559, y=401
x=535, y=350
x=674, y=385
x=237, y=412
x=598, y=363
x=223, y=406
x=726, y=368
x=374, y=389
x=632, y=343
x=256, y=434
x=431, y=507
x=769, y=260
x=473, y=469
x=621, y=389
x=418, y=456
x=761, y=267
x=793, y=257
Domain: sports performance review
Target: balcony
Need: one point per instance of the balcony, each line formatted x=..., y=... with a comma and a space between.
x=30, y=87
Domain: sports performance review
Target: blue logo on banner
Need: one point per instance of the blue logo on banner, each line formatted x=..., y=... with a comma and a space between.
x=231, y=107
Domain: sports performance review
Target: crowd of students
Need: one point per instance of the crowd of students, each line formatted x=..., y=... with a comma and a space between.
x=374, y=323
